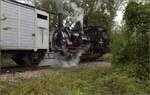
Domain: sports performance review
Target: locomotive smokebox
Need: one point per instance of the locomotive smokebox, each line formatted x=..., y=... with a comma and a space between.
x=60, y=21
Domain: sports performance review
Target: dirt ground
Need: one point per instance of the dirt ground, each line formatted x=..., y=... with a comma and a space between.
x=45, y=72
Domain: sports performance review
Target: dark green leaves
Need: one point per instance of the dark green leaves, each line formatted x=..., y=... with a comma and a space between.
x=137, y=17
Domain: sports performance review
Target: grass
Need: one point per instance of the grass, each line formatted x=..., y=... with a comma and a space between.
x=80, y=81
x=6, y=60
x=55, y=68
x=107, y=56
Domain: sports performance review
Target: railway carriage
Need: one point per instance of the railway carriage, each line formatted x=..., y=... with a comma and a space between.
x=27, y=33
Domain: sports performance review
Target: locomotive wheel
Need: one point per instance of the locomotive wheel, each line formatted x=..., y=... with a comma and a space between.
x=28, y=59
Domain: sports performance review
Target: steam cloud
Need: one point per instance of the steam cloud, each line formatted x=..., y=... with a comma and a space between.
x=78, y=14
x=63, y=60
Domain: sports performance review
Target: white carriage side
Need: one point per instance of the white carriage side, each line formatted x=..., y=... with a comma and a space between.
x=28, y=27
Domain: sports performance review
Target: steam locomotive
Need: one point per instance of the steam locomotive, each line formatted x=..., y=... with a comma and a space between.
x=94, y=37
x=28, y=37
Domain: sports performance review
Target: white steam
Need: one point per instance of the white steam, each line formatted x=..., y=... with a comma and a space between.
x=78, y=14
x=66, y=60
x=70, y=60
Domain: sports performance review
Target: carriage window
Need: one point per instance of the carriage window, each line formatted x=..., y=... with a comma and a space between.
x=42, y=16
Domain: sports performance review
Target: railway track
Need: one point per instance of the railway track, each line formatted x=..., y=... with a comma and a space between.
x=20, y=69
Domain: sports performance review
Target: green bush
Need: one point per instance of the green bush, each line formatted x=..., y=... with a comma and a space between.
x=136, y=17
x=130, y=46
x=119, y=45
x=6, y=60
x=119, y=84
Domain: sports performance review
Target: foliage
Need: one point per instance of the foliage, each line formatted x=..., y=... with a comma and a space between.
x=96, y=13
x=6, y=60
x=130, y=46
x=80, y=81
x=48, y=5
x=3, y=19
x=119, y=46
x=100, y=14
x=107, y=56
x=137, y=17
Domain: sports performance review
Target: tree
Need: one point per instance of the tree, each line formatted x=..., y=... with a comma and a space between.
x=130, y=47
x=137, y=17
x=48, y=5
x=96, y=13
x=101, y=12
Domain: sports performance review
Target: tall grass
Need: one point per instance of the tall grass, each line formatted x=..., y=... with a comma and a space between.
x=81, y=81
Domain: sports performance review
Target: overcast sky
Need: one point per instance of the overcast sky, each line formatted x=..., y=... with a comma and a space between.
x=119, y=17
x=120, y=12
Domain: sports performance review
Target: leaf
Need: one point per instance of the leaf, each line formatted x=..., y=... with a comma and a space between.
x=6, y=28
x=3, y=18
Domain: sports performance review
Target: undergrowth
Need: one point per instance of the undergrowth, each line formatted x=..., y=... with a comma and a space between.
x=6, y=60
x=81, y=81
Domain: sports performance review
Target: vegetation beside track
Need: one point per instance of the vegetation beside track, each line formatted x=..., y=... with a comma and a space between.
x=6, y=60
x=80, y=81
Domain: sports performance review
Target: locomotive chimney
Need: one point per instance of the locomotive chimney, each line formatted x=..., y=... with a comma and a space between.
x=60, y=20
x=60, y=6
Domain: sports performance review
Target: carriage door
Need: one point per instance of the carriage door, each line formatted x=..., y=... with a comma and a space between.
x=42, y=35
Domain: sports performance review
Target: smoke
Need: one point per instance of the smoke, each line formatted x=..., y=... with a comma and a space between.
x=71, y=59
x=78, y=13
x=67, y=60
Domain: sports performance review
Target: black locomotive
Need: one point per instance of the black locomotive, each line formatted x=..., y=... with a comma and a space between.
x=94, y=40
x=98, y=42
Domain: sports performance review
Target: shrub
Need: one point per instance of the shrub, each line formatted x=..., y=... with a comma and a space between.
x=130, y=47
x=118, y=84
